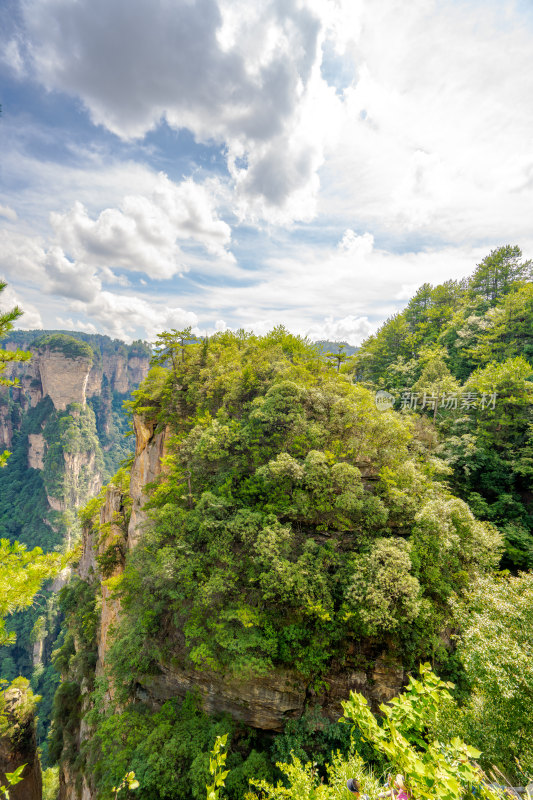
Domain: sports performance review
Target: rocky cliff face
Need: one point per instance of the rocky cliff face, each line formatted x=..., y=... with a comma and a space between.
x=122, y=372
x=36, y=448
x=18, y=746
x=67, y=380
x=63, y=379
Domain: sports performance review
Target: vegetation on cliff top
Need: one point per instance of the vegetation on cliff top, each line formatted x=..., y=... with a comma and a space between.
x=67, y=345
x=100, y=344
x=292, y=517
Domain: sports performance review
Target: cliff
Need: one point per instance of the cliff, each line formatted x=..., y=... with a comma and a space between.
x=18, y=744
x=72, y=376
x=262, y=702
x=63, y=379
x=64, y=423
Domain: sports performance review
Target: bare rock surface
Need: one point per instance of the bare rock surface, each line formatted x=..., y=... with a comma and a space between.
x=36, y=448
x=110, y=608
x=265, y=702
x=6, y=428
x=63, y=379
x=150, y=451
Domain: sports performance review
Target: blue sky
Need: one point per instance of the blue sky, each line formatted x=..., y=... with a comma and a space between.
x=233, y=163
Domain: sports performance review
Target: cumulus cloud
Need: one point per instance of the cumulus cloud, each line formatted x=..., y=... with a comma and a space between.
x=243, y=74
x=22, y=256
x=70, y=279
x=121, y=316
x=31, y=317
x=349, y=329
x=142, y=234
x=428, y=134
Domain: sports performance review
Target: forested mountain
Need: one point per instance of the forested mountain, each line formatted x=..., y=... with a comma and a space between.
x=279, y=541
x=294, y=526
x=461, y=355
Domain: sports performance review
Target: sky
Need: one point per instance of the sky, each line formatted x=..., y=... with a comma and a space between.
x=249, y=163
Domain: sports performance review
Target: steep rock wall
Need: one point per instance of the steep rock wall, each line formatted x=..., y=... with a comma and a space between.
x=36, y=448
x=6, y=426
x=121, y=372
x=63, y=379
x=19, y=746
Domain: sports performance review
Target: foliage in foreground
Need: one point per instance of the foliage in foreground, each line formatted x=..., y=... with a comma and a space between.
x=496, y=650
x=405, y=738
x=22, y=573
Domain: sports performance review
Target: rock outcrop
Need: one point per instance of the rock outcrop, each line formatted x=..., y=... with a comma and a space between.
x=121, y=372
x=265, y=702
x=36, y=448
x=66, y=379
x=83, y=479
x=63, y=379
x=18, y=746
x=6, y=427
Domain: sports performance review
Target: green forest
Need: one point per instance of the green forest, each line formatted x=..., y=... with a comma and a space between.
x=318, y=511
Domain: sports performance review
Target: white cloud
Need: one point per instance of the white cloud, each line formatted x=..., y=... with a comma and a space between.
x=8, y=213
x=340, y=291
x=121, y=316
x=75, y=324
x=349, y=329
x=31, y=317
x=12, y=57
x=239, y=73
x=432, y=136
x=436, y=138
x=142, y=234
x=96, y=180
x=70, y=279
x=22, y=257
